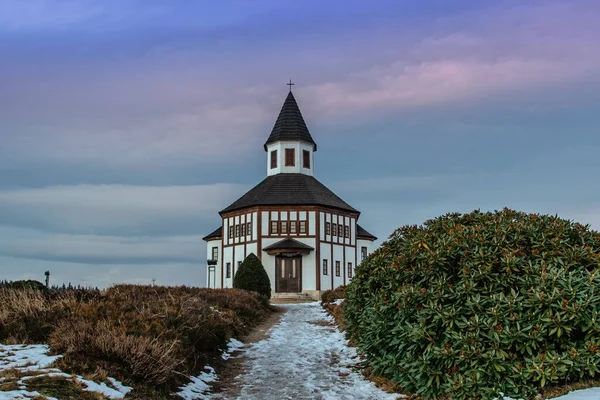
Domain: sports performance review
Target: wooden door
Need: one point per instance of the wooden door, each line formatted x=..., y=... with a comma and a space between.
x=289, y=274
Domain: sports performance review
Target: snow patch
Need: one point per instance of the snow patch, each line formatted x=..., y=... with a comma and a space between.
x=35, y=359
x=232, y=346
x=199, y=385
x=581, y=394
x=104, y=389
x=119, y=386
x=19, y=394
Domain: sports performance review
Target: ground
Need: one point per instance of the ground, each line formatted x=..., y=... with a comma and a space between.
x=303, y=357
x=297, y=354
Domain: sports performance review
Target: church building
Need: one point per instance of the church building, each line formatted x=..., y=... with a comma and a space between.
x=307, y=238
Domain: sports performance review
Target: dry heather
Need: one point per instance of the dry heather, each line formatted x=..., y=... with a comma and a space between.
x=328, y=299
x=146, y=336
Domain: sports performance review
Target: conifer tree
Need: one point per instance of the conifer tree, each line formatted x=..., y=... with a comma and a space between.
x=252, y=276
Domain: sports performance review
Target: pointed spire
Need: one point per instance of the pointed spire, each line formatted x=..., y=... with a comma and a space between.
x=290, y=124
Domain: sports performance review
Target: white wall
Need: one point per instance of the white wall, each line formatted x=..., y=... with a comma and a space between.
x=325, y=255
x=265, y=223
x=252, y=248
x=298, y=147
x=227, y=257
x=214, y=281
x=254, y=233
x=309, y=278
x=359, y=245
x=338, y=255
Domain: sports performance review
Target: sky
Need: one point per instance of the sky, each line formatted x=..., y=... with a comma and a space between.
x=126, y=125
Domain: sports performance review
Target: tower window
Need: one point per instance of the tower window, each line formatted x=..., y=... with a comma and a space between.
x=363, y=253
x=325, y=267
x=346, y=231
x=305, y=159
x=290, y=157
x=274, y=159
x=333, y=229
x=327, y=228
x=237, y=230
x=349, y=270
x=340, y=230
x=215, y=253
x=249, y=228
x=230, y=231
x=293, y=227
x=284, y=227
x=228, y=270
x=337, y=268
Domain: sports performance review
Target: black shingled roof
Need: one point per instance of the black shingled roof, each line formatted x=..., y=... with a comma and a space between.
x=362, y=233
x=217, y=233
x=290, y=125
x=288, y=244
x=290, y=189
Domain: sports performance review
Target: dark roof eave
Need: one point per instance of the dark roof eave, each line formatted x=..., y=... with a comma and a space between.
x=289, y=189
x=303, y=141
x=363, y=237
x=226, y=211
x=214, y=235
x=362, y=233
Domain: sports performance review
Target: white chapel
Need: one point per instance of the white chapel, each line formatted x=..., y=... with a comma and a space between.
x=307, y=238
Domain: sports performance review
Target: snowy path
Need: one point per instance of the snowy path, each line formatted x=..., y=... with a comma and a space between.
x=304, y=360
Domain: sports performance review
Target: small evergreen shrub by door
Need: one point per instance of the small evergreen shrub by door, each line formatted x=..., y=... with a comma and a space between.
x=471, y=306
x=251, y=275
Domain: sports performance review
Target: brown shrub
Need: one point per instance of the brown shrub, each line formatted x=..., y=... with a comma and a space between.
x=150, y=335
x=329, y=296
x=27, y=316
x=337, y=312
x=139, y=358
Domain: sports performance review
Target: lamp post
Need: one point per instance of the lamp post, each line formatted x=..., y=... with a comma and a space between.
x=211, y=269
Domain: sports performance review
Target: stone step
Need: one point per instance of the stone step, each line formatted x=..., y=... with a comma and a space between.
x=291, y=296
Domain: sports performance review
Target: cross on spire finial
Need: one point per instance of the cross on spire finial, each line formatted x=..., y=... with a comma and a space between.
x=290, y=84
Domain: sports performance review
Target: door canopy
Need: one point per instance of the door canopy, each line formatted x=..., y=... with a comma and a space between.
x=288, y=247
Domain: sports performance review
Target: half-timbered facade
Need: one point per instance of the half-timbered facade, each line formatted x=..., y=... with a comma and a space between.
x=307, y=237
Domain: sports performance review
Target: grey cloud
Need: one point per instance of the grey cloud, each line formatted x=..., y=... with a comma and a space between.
x=103, y=275
x=118, y=209
x=90, y=249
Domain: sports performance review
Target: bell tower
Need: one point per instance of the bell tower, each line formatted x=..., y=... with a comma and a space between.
x=290, y=148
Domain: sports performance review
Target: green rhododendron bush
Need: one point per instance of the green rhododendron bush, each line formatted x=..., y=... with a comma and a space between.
x=474, y=305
